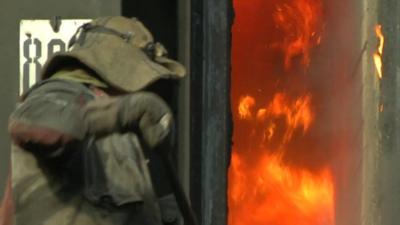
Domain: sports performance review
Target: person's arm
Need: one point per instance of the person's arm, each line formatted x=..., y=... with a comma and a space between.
x=7, y=206
x=143, y=112
x=59, y=112
x=50, y=116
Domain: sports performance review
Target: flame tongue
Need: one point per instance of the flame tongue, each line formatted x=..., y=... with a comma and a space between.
x=279, y=195
x=299, y=22
x=379, y=53
x=263, y=189
x=244, y=107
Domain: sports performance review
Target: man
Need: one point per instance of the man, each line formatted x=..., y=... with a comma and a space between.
x=86, y=135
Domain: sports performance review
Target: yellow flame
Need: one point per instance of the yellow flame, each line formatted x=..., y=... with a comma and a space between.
x=263, y=188
x=245, y=105
x=379, y=53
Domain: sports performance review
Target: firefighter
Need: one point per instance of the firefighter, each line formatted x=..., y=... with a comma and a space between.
x=86, y=135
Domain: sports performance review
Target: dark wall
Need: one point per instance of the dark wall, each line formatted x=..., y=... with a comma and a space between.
x=11, y=12
x=211, y=124
x=169, y=22
x=160, y=16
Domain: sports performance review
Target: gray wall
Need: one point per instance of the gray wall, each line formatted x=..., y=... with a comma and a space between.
x=11, y=12
x=388, y=166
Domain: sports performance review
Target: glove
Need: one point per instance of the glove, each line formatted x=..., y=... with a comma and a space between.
x=142, y=112
x=156, y=134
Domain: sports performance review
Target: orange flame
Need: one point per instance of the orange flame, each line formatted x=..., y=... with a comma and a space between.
x=300, y=23
x=263, y=190
x=379, y=53
x=245, y=105
x=261, y=114
x=273, y=193
x=296, y=114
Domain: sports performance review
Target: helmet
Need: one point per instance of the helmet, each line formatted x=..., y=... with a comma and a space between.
x=121, y=51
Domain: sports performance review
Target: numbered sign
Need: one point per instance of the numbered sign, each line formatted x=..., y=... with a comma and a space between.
x=38, y=42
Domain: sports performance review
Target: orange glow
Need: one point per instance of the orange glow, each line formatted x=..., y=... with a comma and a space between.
x=261, y=114
x=273, y=193
x=267, y=191
x=301, y=24
x=273, y=178
x=270, y=131
x=379, y=53
x=296, y=114
x=244, y=107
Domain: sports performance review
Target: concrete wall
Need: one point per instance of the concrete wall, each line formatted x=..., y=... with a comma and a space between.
x=381, y=180
x=369, y=211
x=11, y=12
x=387, y=200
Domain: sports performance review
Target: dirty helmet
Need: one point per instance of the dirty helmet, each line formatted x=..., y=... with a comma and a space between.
x=121, y=51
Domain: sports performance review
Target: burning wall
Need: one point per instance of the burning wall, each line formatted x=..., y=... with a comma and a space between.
x=296, y=153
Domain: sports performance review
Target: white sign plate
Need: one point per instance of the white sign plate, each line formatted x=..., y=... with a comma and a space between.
x=37, y=43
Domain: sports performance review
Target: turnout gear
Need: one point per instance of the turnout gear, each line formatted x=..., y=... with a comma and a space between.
x=81, y=134
x=144, y=111
x=58, y=164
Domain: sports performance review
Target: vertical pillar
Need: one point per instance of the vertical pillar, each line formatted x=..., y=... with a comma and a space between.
x=184, y=93
x=381, y=185
x=388, y=179
x=210, y=105
x=370, y=113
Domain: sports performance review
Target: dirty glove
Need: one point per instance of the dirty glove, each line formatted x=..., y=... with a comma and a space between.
x=142, y=112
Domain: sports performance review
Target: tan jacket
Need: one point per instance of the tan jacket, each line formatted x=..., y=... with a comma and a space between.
x=94, y=181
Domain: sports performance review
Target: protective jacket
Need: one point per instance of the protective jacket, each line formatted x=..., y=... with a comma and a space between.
x=78, y=156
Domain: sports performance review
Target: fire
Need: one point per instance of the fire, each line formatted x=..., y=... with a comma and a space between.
x=261, y=114
x=297, y=114
x=272, y=193
x=300, y=22
x=244, y=107
x=264, y=189
x=266, y=185
x=379, y=53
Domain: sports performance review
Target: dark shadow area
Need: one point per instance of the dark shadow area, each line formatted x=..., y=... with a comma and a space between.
x=160, y=16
